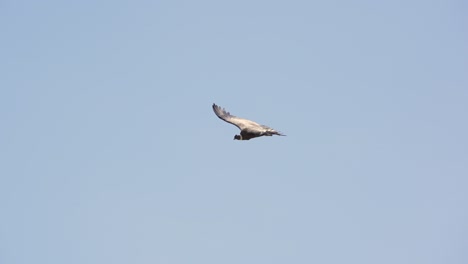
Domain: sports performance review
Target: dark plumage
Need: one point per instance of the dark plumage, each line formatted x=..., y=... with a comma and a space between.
x=249, y=129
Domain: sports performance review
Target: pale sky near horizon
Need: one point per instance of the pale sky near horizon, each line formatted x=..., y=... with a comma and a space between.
x=110, y=151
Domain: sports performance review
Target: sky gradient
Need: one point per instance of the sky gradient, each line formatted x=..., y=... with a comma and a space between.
x=110, y=151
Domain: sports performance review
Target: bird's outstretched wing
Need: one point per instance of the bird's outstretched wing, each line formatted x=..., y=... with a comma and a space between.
x=241, y=123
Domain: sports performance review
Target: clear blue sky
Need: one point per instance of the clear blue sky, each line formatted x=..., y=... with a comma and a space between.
x=110, y=151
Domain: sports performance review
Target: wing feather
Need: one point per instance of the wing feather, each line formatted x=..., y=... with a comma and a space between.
x=241, y=123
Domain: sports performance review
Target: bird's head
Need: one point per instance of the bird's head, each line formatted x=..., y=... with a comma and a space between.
x=238, y=137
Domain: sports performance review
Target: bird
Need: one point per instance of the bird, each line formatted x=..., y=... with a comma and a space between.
x=249, y=129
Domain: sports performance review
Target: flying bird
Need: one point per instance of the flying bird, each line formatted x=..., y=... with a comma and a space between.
x=249, y=129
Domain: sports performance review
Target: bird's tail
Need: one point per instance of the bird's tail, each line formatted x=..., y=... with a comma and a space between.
x=272, y=132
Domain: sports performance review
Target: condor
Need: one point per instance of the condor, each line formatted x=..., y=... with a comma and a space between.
x=249, y=129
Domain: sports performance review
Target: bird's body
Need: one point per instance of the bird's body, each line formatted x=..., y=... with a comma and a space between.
x=249, y=129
